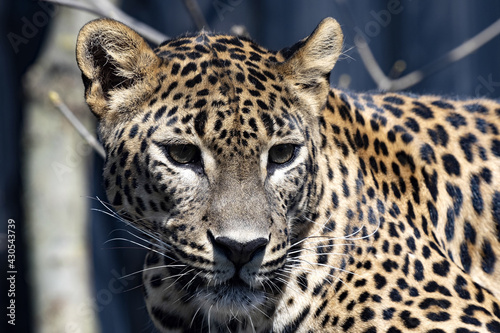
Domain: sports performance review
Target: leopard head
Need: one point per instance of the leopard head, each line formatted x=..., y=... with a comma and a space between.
x=212, y=150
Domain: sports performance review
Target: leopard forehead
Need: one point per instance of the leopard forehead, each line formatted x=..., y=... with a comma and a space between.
x=222, y=91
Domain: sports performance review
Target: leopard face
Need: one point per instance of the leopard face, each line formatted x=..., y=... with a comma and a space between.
x=216, y=174
x=274, y=203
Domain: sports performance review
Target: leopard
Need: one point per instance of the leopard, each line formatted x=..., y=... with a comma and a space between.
x=273, y=202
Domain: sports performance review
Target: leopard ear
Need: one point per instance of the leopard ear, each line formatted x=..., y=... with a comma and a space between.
x=117, y=65
x=309, y=62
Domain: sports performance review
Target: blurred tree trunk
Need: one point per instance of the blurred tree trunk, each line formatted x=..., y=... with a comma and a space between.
x=56, y=173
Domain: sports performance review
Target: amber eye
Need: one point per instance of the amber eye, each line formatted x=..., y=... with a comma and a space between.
x=281, y=154
x=184, y=154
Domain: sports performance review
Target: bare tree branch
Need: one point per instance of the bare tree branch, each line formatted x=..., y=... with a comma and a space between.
x=106, y=9
x=196, y=14
x=91, y=140
x=385, y=83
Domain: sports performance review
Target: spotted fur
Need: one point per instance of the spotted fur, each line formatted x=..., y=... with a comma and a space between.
x=386, y=217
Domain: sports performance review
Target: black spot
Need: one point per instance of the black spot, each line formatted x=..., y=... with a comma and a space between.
x=155, y=281
x=212, y=79
x=194, y=81
x=345, y=114
x=433, y=287
x=481, y=125
x=359, y=118
x=397, y=112
x=493, y=326
x=240, y=77
x=409, y=321
x=427, y=153
x=442, y=268
x=387, y=314
x=488, y=258
x=302, y=281
x=133, y=131
x=433, y=213
x=348, y=324
x=410, y=242
x=391, y=136
x=439, y=135
x=395, y=296
x=419, y=270
x=190, y=67
x=238, y=56
x=405, y=159
x=268, y=123
x=335, y=200
x=343, y=296
x=470, y=320
x=443, y=105
x=422, y=110
x=486, y=175
x=495, y=147
x=465, y=257
x=175, y=68
x=402, y=284
x=253, y=124
x=412, y=124
x=426, y=252
x=172, y=111
x=256, y=82
x=476, y=108
x=159, y=113
x=406, y=137
x=456, y=120
x=460, y=283
x=477, y=198
x=200, y=122
x=449, y=227
x=429, y=302
x=200, y=103
x=495, y=211
x=438, y=316
x=123, y=158
x=470, y=233
x=394, y=100
x=380, y=281
x=117, y=201
x=451, y=164
x=367, y=314
x=466, y=143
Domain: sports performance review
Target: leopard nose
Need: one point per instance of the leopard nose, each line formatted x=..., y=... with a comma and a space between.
x=237, y=252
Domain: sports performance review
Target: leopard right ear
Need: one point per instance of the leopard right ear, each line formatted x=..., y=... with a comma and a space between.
x=308, y=63
x=118, y=67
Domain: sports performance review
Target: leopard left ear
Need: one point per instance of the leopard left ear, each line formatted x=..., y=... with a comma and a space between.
x=118, y=67
x=309, y=62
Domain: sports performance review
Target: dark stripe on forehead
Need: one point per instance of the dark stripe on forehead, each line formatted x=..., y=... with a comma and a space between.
x=200, y=122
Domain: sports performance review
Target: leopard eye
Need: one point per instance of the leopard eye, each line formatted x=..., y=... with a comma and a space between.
x=184, y=153
x=281, y=154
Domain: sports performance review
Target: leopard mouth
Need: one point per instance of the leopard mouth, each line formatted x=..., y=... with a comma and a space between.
x=234, y=297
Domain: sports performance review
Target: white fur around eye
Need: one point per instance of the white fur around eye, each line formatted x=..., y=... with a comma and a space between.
x=281, y=172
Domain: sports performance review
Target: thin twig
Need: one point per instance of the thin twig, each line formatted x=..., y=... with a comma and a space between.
x=385, y=83
x=196, y=14
x=91, y=140
x=106, y=9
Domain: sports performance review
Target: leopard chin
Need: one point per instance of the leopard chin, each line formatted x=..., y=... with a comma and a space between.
x=230, y=300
